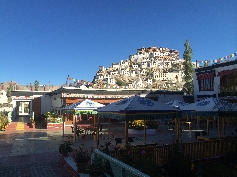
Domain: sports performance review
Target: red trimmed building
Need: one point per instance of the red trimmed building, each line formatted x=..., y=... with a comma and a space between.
x=217, y=81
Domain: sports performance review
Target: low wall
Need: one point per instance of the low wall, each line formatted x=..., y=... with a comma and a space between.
x=138, y=132
x=54, y=126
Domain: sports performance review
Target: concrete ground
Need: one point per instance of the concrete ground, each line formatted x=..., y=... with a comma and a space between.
x=35, y=153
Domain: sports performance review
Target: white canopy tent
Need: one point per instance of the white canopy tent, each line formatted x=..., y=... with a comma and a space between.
x=210, y=107
x=138, y=108
x=177, y=104
x=84, y=106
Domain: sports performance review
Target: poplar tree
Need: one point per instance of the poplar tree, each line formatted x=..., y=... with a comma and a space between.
x=36, y=84
x=188, y=69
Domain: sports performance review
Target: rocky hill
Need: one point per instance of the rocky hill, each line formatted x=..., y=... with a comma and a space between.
x=16, y=86
x=153, y=67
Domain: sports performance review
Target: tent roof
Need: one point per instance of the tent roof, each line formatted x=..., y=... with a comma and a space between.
x=137, y=107
x=177, y=103
x=85, y=104
x=210, y=104
x=136, y=103
x=209, y=107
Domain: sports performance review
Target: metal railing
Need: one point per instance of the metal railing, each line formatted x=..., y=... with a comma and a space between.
x=118, y=168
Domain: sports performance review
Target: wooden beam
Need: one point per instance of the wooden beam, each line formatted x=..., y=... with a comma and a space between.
x=75, y=127
x=198, y=123
x=98, y=133
x=126, y=134
x=223, y=125
x=109, y=128
x=144, y=132
x=207, y=125
x=218, y=127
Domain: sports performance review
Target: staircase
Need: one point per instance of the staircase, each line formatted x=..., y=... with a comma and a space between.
x=11, y=127
x=19, y=126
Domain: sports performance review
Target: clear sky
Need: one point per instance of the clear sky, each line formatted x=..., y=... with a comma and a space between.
x=47, y=40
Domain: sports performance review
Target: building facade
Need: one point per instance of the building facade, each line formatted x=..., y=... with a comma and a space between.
x=26, y=102
x=217, y=81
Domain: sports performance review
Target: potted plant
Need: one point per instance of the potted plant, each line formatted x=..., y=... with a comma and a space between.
x=3, y=121
x=96, y=169
x=65, y=148
x=82, y=158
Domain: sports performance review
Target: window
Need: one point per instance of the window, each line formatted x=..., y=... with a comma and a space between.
x=206, y=81
x=206, y=84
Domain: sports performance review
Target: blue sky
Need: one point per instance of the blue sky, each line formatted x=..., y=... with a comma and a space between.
x=51, y=39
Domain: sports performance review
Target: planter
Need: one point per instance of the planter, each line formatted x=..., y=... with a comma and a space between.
x=54, y=126
x=82, y=167
x=64, y=153
x=138, y=132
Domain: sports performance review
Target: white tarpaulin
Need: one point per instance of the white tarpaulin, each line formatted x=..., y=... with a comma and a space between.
x=177, y=103
x=84, y=105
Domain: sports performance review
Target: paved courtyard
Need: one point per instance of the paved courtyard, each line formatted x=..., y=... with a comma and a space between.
x=35, y=153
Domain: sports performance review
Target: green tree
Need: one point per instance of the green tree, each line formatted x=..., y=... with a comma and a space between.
x=120, y=82
x=205, y=63
x=149, y=73
x=36, y=84
x=188, y=69
x=9, y=94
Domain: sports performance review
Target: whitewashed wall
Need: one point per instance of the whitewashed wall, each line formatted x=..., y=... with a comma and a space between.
x=46, y=103
x=216, y=82
x=3, y=96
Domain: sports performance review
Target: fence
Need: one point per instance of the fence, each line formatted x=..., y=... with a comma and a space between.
x=118, y=168
x=195, y=151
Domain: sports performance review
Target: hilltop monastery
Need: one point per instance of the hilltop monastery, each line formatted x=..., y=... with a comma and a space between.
x=153, y=67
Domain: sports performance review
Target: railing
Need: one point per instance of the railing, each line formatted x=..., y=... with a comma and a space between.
x=118, y=168
x=195, y=151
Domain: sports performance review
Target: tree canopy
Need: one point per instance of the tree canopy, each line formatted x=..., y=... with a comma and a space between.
x=120, y=82
x=36, y=84
x=188, y=69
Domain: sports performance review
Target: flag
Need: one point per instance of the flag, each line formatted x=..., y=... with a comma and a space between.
x=235, y=53
x=68, y=77
x=232, y=55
